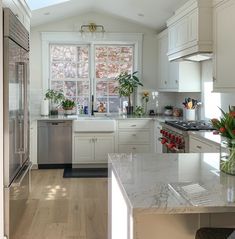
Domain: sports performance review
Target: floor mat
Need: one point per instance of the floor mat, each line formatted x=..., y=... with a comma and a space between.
x=85, y=173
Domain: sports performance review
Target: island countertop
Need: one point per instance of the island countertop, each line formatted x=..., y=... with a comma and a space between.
x=173, y=183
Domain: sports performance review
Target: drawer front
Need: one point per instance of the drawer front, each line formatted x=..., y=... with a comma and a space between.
x=131, y=148
x=197, y=146
x=134, y=137
x=134, y=124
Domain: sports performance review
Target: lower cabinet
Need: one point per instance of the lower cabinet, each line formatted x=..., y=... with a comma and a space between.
x=202, y=146
x=92, y=148
x=135, y=136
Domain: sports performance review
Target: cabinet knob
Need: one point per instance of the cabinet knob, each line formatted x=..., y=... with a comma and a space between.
x=199, y=147
x=165, y=82
x=176, y=82
x=214, y=79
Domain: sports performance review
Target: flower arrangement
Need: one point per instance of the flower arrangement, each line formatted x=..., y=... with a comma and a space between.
x=145, y=96
x=145, y=99
x=226, y=124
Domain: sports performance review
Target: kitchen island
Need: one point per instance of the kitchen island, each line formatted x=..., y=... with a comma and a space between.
x=155, y=196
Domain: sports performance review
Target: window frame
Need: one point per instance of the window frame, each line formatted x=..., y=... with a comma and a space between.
x=74, y=38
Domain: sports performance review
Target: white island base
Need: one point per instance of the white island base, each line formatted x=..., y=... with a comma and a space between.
x=140, y=207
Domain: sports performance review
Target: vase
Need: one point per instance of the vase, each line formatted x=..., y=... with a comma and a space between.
x=53, y=108
x=227, y=156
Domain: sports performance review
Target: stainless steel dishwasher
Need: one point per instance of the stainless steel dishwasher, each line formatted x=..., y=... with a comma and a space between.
x=54, y=144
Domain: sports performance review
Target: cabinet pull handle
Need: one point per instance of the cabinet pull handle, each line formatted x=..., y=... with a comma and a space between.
x=134, y=135
x=134, y=125
x=134, y=148
x=199, y=147
x=165, y=82
x=214, y=79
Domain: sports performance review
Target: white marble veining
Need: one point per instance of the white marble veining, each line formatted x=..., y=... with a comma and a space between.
x=161, y=183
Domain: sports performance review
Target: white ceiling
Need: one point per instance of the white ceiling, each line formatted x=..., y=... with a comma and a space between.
x=155, y=12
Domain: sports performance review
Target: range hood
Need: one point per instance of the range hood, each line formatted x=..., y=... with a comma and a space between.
x=190, y=32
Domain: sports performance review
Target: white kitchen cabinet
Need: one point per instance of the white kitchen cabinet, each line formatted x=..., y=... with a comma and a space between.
x=201, y=146
x=176, y=76
x=92, y=148
x=135, y=135
x=21, y=11
x=224, y=51
x=190, y=29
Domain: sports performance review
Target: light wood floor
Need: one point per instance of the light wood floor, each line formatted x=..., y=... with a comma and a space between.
x=61, y=208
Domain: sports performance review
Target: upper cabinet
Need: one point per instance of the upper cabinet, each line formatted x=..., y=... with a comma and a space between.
x=224, y=50
x=176, y=76
x=21, y=11
x=190, y=30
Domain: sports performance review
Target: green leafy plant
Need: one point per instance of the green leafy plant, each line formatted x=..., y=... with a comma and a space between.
x=55, y=96
x=127, y=84
x=68, y=104
x=139, y=111
x=226, y=124
x=168, y=107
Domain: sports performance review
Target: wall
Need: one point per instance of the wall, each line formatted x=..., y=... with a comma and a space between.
x=111, y=24
x=1, y=127
x=213, y=100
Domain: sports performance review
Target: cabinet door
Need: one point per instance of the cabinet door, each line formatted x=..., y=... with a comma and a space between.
x=163, y=61
x=83, y=149
x=103, y=146
x=224, y=50
x=197, y=146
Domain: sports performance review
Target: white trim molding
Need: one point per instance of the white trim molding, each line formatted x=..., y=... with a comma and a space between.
x=48, y=38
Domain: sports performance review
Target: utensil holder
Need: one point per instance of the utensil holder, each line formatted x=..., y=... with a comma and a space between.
x=190, y=114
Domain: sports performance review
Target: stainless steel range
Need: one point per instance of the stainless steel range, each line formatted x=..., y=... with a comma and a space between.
x=175, y=137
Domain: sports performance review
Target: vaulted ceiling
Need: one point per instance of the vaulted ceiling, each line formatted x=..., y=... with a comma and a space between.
x=151, y=13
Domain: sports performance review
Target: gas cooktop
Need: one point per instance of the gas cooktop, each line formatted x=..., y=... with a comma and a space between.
x=191, y=125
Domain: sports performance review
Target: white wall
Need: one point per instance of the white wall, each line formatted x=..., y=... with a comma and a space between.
x=1, y=127
x=112, y=25
x=215, y=100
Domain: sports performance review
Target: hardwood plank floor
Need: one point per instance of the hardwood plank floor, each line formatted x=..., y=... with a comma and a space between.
x=61, y=208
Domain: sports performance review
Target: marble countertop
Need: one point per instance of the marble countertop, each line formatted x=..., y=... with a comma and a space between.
x=160, y=118
x=174, y=183
x=214, y=138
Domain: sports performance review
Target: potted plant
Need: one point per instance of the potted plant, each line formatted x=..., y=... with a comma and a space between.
x=127, y=84
x=55, y=98
x=68, y=106
x=168, y=110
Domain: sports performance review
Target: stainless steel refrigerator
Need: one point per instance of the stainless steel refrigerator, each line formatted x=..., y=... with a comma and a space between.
x=16, y=121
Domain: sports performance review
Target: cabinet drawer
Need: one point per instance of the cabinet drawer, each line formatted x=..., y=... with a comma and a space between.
x=134, y=124
x=132, y=148
x=134, y=137
x=197, y=146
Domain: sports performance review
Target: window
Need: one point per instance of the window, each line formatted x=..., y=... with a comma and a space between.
x=71, y=69
x=110, y=61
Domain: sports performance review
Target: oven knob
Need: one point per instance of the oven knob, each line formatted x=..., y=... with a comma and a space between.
x=173, y=137
x=164, y=141
x=171, y=145
x=180, y=140
x=176, y=139
x=169, y=135
x=161, y=131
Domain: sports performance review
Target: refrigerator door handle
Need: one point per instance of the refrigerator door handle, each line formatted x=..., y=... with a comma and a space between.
x=19, y=180
x=25, y=93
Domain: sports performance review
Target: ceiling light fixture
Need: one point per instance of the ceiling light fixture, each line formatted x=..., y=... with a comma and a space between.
x=92, y=30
